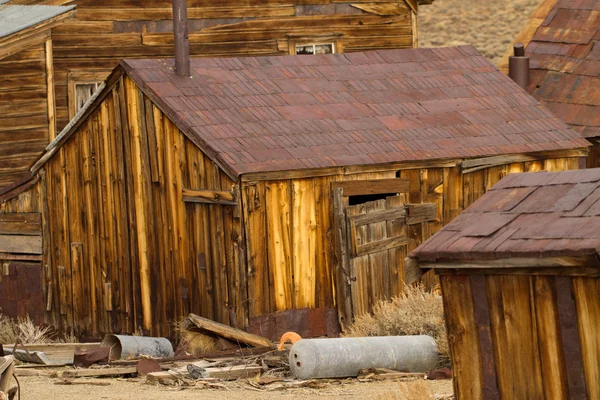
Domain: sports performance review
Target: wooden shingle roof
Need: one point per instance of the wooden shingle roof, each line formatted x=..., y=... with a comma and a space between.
x=529, y=215
x=261, y=114
x=565, y=64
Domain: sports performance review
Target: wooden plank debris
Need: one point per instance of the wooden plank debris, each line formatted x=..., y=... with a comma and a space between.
x=110, y=371
x=237, y=335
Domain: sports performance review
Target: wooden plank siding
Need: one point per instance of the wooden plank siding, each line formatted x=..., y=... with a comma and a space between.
x=273, y=214
x=25, y=127
x=538, y=334
x=91, y=44
x=124, y=250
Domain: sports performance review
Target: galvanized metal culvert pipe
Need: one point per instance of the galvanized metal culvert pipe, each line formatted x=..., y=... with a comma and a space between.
x=345, y=357
x=123, y=346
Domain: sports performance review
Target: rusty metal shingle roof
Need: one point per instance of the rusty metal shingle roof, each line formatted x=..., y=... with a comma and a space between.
x=534, y=214
x=565, y=63
x=261, y=114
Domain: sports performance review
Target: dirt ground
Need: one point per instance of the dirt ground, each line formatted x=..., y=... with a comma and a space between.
x=35, y=388
x=488, y=25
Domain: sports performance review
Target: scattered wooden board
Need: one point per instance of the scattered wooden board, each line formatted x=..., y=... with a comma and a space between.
x=81, y=382
x=225, y=331
x=79, y=373
x=232, y=373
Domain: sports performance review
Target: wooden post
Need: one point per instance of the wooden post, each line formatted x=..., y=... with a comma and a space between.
x=50, y=90
x=344, y=296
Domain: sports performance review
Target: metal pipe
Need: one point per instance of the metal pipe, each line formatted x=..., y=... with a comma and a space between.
x=518, y=66
x=182, y=42
x=345, y=357
x=123, y=346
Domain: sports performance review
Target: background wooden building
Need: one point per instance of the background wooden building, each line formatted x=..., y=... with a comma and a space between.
x=26, y=125
x=563, y=42
x=273, y=183
x=520, y=279
x=88, y=48
x=26, y=89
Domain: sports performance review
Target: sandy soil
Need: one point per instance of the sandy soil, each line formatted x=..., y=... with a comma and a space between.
x=488, y=25
x=35, y=388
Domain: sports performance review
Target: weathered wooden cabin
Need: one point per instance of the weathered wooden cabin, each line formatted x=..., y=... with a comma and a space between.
x=272, y=183
x=89, y=47
x=563, y=43
x=520, y=277
x=26, y=90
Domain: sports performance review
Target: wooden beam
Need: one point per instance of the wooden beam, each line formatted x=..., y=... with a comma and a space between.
x=28, y=224
x=21, y=244
x=79, y=373
x=379, y=216
x=20, y=257
x=348, y=170
x=380, y=245
x=50, y=90
x=515, y=262
x=477, y=164
x=237, y=335
x=419, y=213
x=377, y=186
x=209, y=197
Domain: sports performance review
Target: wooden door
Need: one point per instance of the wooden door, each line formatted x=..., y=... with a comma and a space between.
x=371, y=241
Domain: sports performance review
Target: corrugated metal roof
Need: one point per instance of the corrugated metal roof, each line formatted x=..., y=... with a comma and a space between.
x=16, y=18
x=535, y=214
x=261, y=114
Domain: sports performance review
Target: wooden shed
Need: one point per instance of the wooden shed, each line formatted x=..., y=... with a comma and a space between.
x=563, y=42
x=263, y=184
x=90, y=46
x=26, y=90
x=520, y=278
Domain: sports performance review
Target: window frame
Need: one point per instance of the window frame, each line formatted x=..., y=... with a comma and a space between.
x=75, y=78
x=314, y=44
x=332, y=39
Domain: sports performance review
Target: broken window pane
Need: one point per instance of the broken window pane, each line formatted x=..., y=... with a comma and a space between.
x=323, y=49
x=83, y=91
x=309, y=49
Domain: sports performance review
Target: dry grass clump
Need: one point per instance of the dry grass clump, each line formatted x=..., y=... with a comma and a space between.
x=415, y=312
x=194, y=343
x=22, y=330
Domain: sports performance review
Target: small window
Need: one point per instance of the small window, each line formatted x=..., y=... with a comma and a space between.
x=325, y=48
x=83, y=91
x=81, y=86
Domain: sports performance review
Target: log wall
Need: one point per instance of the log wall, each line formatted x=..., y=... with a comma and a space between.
x=125, y=252
x=25, y=127
x=92, y=44
x=523, y=336
x=289, y=222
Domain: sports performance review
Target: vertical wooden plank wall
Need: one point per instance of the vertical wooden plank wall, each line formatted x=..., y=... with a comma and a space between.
x=125, y=252
x=539, y=338
x=285, y=271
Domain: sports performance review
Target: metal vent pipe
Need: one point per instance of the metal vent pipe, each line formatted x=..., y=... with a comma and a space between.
x=518, y=66
x=182, y=42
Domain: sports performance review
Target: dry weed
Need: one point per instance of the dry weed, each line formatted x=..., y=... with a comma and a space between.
x=412, y=390
x=415, y=312
x=8, y=330
x=195, y=343
x=22, y=330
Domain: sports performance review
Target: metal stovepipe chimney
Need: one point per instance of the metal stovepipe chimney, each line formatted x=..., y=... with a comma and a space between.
x=182, y=43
